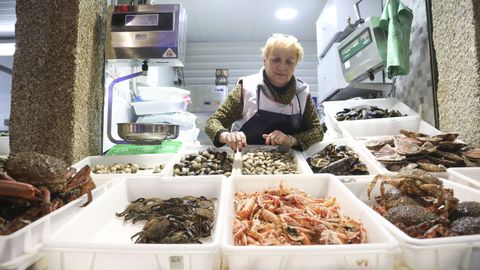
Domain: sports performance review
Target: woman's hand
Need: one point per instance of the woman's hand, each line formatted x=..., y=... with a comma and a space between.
x=279, y=138
x=235, y=140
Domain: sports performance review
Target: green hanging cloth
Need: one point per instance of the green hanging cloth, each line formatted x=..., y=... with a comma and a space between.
x=397, y=21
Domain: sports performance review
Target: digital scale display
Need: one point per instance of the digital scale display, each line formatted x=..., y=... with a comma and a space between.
x=137, y=22
x=356, y=45
x=141, y=20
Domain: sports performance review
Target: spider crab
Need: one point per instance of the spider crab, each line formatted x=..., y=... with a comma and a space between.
x=39, y=184
x=418, y=222
x=421, y=184
x=417, y=203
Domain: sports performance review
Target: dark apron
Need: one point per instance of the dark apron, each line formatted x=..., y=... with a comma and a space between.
x=264, y=122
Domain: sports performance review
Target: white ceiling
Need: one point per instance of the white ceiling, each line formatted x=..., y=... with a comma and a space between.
x=223, y=20
x=248, y=20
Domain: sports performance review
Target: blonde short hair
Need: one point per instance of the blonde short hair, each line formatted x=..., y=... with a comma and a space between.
x=283, y=41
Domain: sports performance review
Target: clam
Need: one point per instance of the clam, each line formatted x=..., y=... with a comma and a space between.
x=206, y=162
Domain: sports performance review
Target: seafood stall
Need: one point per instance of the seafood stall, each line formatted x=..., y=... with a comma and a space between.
x=384, y=190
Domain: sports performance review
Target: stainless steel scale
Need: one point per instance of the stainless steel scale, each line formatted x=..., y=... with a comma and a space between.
x=143, y=35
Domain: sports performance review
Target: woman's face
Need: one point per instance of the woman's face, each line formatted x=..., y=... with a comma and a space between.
x=280, y=65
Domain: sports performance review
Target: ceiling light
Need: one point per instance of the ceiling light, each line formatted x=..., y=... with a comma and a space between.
x=7, y=48
x=286, y=13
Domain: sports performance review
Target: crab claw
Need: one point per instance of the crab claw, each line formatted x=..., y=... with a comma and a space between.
x=20, y=190
x=4, y=176
x=374, y=182
x=82, y=180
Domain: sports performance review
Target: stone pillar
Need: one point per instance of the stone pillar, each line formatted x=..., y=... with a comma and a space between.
x=57, y=90
x=456, y=37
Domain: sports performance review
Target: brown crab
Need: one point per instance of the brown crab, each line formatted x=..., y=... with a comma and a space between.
x=40, y=184
x=419, y=183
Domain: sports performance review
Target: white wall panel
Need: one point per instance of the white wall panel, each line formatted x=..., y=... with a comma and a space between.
x=241, y=58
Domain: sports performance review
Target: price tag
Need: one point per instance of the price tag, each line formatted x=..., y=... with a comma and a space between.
x=176, y=263
x=347, y=64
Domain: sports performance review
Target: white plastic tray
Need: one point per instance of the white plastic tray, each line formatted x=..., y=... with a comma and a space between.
x=466, y=176
x=97, y=239
x=371, y=127
x=371, y=166
x=422, y=127
x=21, y=247
x=458, y=252
x=192, y=149
x=302, y=166
x=381, y=131
x=149, y=160
x=378, y=253
x=161, y=92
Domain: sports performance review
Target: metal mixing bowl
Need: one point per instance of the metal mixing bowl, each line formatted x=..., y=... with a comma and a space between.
x=142, y=133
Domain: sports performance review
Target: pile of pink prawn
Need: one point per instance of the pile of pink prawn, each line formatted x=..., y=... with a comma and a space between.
x=290, y=216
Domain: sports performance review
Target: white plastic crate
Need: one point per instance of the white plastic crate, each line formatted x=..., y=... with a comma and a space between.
x=192, y=149
x=23, y=262
x=457, y=252
x=371, y=127
x=378, y=253
x=312, y=150
x=465, y=176
x=97, y=239
x=176, y=104
x=19, y=249
x=161, y=93
x=149, y=160
x=391, y=128
x=422, y=127
x=302, y=166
